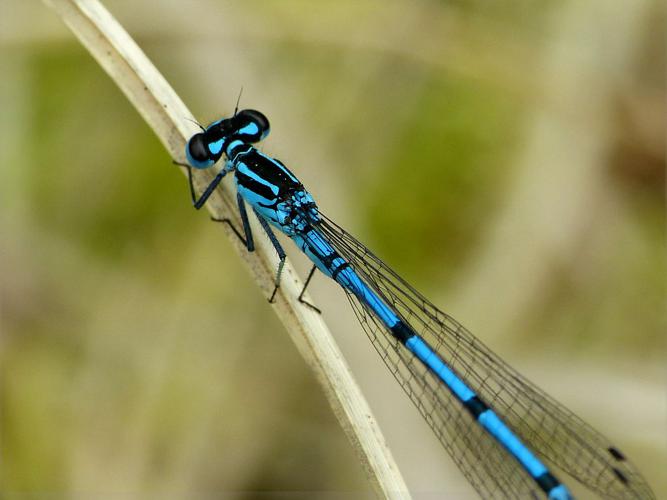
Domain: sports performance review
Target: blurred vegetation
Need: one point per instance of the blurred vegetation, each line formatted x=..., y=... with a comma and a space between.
x=138, y=360
x=468, y=125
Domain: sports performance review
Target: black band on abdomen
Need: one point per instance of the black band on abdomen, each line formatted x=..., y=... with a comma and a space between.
x=402, y=332
x=338, y=270
x=475, y=406
x=547, y=482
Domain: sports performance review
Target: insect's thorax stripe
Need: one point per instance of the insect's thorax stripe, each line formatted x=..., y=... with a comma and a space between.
x=246, y=180
x=269, y=170
x=263, y=176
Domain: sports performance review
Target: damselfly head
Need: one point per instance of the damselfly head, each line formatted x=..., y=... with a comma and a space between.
x=206, y=148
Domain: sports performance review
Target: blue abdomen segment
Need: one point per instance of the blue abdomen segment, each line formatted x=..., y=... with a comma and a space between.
x=488, y=419
x=325, y=257
x=560, y=492
x=327, y=260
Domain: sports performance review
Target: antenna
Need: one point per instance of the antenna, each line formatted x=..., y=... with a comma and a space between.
x=196, y=123
x=238, y=100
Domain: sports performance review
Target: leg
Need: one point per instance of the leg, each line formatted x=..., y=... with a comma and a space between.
x=279, y=249
x=248, y=240
x=198, y=203
x=188, y=167
x=305, y=285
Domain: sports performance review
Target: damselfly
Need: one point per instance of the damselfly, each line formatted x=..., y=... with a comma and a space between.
x=499, y=428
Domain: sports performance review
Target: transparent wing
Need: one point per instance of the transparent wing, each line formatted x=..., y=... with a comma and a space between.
x=553, y=432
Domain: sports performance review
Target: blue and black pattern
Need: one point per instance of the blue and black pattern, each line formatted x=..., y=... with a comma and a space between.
x=505, y=434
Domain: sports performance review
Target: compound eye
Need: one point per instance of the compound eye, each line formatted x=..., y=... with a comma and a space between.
x=253, y=126
x=197, y=152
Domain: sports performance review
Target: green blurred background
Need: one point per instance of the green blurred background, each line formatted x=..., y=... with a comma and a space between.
x=506, y=158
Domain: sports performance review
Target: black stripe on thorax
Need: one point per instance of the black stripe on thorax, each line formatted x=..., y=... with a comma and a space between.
x=271, y=170
x=255, y=186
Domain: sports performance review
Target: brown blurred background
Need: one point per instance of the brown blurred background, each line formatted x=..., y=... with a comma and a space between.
x=506, y=158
